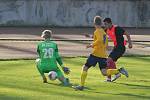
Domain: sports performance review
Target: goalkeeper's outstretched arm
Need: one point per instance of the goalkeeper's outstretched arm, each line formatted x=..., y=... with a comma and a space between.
x=60, y=62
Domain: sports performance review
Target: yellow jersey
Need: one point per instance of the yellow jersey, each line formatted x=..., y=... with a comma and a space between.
x=100, y=43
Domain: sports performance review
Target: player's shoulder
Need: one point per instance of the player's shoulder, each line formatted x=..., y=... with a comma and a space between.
x=98, y=30
x=40, y=43
x=119, y=28
x=101, y=31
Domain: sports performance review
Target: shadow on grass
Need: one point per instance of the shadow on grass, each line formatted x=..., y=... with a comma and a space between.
x=134, y=95
x=68, y=93
x=51, y=92
x=61, y=85
x=7, y=97
x=121, y=94
x=125, y=94
x=137, y=86
x=146, y=59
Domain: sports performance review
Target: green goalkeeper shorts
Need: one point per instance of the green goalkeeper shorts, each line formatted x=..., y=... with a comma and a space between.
x=43, y=68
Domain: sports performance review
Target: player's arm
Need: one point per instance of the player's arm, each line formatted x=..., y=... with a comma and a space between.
x=38, y=50
x=88, y=36
x=38, y=55
x=98, y=41
x=106, y=42
x=58, y=57
x=129, y=39
x=60, y=62
x=37, y=60
x=121, y=31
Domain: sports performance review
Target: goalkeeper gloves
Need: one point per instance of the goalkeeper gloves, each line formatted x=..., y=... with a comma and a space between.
x=66, y=70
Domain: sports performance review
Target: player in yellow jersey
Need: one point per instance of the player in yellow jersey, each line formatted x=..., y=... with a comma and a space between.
x=98, y=55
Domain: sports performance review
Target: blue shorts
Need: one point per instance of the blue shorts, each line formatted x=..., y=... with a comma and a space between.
x=93, y=60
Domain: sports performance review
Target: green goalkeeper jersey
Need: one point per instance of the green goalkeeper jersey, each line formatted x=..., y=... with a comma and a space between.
x=48, y=53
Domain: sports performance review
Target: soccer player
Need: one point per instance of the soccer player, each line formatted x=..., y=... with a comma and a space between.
x=98, y=55
x=49, y=57
x=116, y=33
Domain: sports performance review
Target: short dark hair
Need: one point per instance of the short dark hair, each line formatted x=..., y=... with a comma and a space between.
x=108, y=20
x=97, y=20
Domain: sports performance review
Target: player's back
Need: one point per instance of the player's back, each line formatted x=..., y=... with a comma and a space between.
x=100, y=49
x=47, y=52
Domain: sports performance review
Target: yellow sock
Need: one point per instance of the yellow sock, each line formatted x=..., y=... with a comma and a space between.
x=83, y=77
x=112, y=71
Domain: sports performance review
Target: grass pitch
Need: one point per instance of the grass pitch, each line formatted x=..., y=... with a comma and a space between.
x=20, y=80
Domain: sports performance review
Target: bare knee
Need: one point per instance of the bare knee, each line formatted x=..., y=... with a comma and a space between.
x=85, y=68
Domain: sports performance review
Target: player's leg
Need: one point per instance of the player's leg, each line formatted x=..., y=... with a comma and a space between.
x=41, y=71
x=110, y=63
x=62, y=79
x=91, y=61
x=108, y=72
x=117, y=54
x=84, y=73
x=103, y=68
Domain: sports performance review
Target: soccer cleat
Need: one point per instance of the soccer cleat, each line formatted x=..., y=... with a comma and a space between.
x=45, y=81
x=108, y=80
x=123, y=71
x=81, y=88
x=116, y=77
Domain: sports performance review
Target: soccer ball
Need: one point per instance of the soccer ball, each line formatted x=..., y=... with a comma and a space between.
x=52, y=75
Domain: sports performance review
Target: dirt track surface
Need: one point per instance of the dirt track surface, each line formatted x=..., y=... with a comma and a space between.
x=12, y=49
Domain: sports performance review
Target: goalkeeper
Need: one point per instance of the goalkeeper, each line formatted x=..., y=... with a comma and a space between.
x=48, y=57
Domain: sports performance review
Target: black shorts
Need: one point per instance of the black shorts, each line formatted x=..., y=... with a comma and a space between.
x=117, y=52
x=93, y=60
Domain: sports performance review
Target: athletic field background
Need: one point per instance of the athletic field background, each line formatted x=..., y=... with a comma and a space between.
x=21, y=42
x=20, y=80
x=70, y=22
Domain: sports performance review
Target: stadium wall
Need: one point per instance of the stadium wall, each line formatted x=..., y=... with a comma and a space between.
x=73, y=13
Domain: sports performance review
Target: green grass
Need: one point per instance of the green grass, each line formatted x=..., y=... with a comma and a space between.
x=20, y=80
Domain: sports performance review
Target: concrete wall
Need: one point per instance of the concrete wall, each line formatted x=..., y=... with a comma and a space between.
x=127, y=13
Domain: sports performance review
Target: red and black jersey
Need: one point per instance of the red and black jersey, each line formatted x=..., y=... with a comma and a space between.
x=116, y=33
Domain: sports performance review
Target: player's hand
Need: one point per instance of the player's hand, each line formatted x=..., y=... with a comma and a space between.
x=66, y=70
x=130, y=45
x=87, y=35
x=89, y=46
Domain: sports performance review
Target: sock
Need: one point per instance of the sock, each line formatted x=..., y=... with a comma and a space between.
x=66, y=81
x=83, y=77
x=112, y=71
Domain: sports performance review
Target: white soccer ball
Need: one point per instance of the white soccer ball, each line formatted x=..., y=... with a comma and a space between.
x=52, y=75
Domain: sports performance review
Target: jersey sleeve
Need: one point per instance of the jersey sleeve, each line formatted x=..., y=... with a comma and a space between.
x=58, y=57
x=119, y=31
